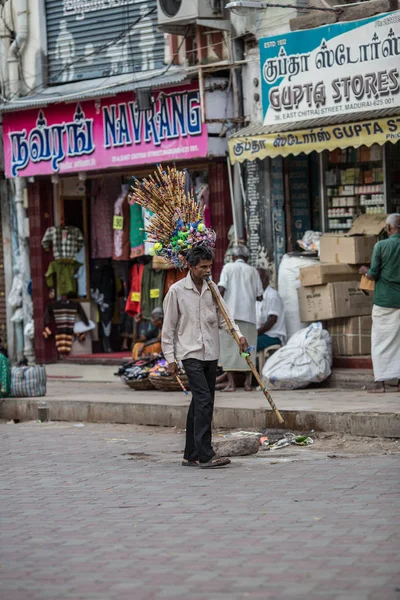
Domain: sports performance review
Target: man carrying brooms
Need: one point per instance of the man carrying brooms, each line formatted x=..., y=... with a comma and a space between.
x=191, y=334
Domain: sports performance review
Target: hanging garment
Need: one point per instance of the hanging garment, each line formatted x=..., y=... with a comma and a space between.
x=66, y=241
x=5, y=385
x=153, y=283
x=61, y=275
x=80, y=275
x=122, y=273
x=173, y=275
x=147, y=214
x=133, y=302
x=105, y=191
x=136, y=233
x=121, y=226
x=63, y=313
x=102, y=287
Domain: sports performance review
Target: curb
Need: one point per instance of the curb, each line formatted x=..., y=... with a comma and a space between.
x=367, y=424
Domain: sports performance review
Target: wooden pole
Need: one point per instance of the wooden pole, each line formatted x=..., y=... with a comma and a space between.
x=247, y=358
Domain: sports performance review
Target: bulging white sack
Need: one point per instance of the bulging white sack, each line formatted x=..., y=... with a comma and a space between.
x=306, y=358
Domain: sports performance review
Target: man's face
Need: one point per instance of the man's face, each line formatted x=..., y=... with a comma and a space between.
x=202, y=270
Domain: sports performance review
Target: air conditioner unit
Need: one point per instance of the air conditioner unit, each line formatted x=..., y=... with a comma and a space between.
x=174, y=16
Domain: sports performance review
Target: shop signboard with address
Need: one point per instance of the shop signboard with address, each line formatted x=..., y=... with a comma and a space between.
x=99, y=134
x=332, y=70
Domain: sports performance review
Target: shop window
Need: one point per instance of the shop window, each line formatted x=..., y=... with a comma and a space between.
x=354, y=184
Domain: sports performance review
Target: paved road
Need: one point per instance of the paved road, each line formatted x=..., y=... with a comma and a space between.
x=82, y=519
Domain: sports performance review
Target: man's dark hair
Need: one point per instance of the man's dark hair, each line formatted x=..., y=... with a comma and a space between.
x=199, y=253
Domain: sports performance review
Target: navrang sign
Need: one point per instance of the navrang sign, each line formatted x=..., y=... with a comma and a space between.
x=98, y=134
x=332, y=70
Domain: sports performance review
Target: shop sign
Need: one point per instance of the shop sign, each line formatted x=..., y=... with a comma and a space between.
x=361, y=133
x=331, y=70
x=99, y=134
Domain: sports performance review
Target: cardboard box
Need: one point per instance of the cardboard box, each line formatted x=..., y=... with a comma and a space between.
x=322, y=273
x=355, y=247
x=367, y=284
x=333, y=300
x=351, y=336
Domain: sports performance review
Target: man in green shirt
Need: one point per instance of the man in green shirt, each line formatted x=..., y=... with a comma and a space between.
x=385, y=336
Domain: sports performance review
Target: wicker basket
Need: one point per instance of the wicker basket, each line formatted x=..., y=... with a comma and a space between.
x=169, y=384
x=140, y=384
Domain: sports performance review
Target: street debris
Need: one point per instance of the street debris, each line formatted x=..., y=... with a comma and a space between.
x=288, y=440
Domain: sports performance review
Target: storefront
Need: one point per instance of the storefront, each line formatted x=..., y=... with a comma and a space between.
x=330, y=139
x=78, y=160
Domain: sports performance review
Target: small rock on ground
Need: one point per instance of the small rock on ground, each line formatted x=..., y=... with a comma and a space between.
x=237, y=447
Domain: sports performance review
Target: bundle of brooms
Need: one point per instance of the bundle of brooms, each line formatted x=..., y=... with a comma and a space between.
x=176, y=225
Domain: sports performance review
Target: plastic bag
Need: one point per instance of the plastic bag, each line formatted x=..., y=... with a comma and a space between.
x=15, y=296
x=306, y=358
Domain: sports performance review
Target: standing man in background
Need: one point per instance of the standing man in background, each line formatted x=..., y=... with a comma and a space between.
x=385, y=335
x=240, y=286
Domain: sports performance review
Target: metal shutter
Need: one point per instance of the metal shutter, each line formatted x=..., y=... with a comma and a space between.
x=82, y=39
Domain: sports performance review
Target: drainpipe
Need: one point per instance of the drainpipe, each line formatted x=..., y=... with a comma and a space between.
x=16, y=48
x=5, y=41
x=25, y=266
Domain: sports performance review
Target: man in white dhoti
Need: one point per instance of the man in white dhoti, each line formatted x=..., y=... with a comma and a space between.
x=385, y=339
x=240, y=286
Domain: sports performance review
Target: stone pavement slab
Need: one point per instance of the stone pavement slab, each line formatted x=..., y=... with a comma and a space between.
x=106, y=512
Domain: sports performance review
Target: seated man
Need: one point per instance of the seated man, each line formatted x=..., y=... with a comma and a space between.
x=271, y=327
x=150, y=341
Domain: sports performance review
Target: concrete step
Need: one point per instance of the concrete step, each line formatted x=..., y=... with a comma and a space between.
x=352, y=412
x=351, y=379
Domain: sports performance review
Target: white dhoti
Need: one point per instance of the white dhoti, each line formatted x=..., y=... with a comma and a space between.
x=230, y=357
x=385, y=342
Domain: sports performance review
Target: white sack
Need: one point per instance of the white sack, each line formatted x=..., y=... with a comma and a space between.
x=306, y=358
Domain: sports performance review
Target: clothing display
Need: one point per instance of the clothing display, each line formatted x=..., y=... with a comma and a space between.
x=136, y=232
x=61, y=275
x=133, y=302
x=66, y=241
x=122, y=273
x=63, y=314
x=104, y=192
x=121, y=226
x=81, y=273
x=102, y=287
x=153, y=282
x=172, y=276
x=147, y=214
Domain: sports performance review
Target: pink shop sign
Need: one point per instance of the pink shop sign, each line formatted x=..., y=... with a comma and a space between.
x=102, y=134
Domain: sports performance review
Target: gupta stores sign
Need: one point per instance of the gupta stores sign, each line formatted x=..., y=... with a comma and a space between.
x=331, y=70
x=99, y=134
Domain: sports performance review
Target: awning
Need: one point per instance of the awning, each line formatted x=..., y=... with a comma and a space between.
x=245, y=146
x=94, y=88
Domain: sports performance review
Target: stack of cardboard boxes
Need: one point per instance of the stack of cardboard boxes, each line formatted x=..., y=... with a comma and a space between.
x=330, y=291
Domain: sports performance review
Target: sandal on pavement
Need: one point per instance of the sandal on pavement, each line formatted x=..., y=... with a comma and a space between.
x=214, y=463
x=190, y=463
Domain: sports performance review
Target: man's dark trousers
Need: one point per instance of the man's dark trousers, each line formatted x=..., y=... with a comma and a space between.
x=202, y=376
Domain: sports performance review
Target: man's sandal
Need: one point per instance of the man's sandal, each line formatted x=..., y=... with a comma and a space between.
x=190, y=463
x=215, y=463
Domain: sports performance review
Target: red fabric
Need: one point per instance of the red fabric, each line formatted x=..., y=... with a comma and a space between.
x=173, y=275
x=220, y=212
x=133, y=307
